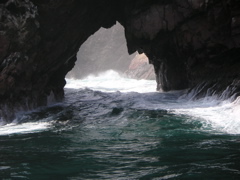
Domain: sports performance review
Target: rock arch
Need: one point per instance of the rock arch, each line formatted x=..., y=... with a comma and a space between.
x=188, y=42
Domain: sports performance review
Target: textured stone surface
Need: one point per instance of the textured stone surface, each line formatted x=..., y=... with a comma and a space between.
x=189, y=42
x=39, y=42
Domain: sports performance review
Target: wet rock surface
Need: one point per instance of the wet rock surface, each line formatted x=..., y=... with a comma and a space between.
x=187, y=41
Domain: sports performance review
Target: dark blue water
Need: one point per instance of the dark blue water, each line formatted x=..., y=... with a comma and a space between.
x=115, y=135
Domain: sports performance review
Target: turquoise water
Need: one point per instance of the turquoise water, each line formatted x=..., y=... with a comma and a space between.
x=123, y=135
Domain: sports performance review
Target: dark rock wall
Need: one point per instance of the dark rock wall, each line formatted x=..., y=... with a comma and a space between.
x=187, y=41
x=39, y=40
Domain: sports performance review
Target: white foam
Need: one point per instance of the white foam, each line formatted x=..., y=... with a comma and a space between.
x=24, y=128
x=221, y=116
x=111, y=81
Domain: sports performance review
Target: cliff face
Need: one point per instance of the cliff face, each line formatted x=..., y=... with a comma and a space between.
x=188, y=42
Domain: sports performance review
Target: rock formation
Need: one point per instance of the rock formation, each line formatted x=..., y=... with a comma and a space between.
x=39, y=41
x=140, y=68
x=189, y=42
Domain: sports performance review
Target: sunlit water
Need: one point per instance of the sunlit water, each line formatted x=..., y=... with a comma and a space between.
x=111, y=127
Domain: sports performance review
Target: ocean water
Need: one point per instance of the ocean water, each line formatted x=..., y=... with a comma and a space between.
x=111, y=127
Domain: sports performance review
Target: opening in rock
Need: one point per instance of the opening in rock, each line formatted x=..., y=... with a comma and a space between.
x=104, y=56
x=107, y=50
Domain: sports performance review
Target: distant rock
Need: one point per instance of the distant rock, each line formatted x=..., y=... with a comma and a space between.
x=140, y=68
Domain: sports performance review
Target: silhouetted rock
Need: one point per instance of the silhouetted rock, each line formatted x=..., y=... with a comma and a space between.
x=188, y=42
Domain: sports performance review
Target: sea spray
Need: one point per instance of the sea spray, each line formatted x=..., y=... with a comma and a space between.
x=105, y=133
x=112, y=90
x=111, y=81
x=24, y=128
x=221, y=116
